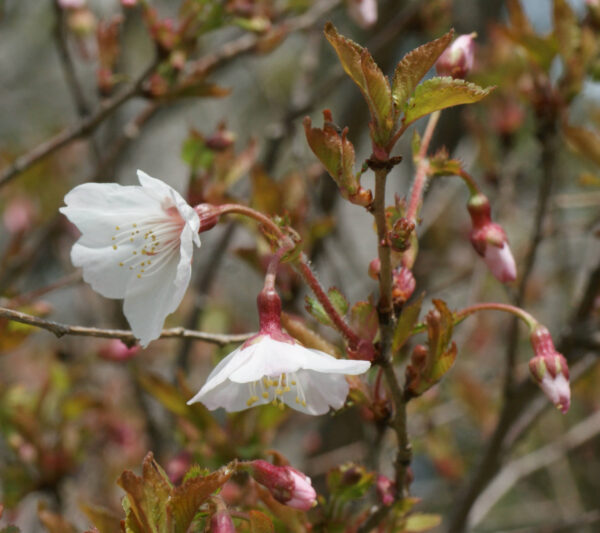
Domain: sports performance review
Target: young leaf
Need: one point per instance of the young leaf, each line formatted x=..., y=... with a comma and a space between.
x=414, y=65
x=349, y=481
x=104, y=519
x=314, y=307
x=419, y=522
x=147, y=498
x=185, y=499
x=406, y=322
x=164, y=392
x=338, y=300
x=364, y=320
x=439, y=93
x=362, y=69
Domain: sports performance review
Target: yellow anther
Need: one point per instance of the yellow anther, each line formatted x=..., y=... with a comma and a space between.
x=114, y=238
x=287, y=389
x=252, y=400
x=293, y=382
x=266, y=382
x=142, y=263
x=297, y=399
x=120, y=264
x=142, y=270
x=130, y=268
x=134, y=252
x=281, y=406
x=274, y=402
x=114, y=246
x=117, y=228
x=278, y=391
x=135, y=225
x=303, y=403
x=139, y=276
x=265, y=395
x=148, y=261
x=131, y=239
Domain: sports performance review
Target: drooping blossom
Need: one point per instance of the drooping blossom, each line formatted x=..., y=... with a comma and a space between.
x=363, y=12
x=136, y=243
x=457, y=60
x=273, y=367
x=286, y=484
x=550, y=370
x=489, y=240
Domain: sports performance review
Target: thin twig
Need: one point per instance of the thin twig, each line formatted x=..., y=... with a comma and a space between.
x=81, y=129
x=126, y=336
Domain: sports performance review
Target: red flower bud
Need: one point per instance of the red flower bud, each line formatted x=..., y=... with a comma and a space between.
x=374, y=269
x=489, y=240
x=386, y=489
x=286, y=484
x=404, y=285
x=549, y=369
x=457, y=59
x=115, y=350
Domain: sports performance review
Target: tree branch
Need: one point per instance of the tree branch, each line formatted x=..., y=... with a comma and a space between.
x=126, y=336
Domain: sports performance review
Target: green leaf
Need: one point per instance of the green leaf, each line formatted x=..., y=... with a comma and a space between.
x=10, y=529
x=585, y=142
x=358, y=63
x=441, y=164
x=338, y=300
x=260, y=522
x=335, y=151
x=439, y=93
x=364, y=320
x=419, y=522
x=195, y=153
x=414, y=65
x=406, y=322
x=314, y=307
x=185, y=499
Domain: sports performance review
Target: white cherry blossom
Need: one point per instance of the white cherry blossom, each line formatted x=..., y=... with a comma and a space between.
x=136, y=243
x=280, y=371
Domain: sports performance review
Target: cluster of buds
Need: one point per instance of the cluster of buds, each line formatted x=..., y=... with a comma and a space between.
x=286, y=484
x=457, y=60
x=400, y=235
x=386, y=490
x=549, y=369
x=489, y=240
x=107, y=37
x=403, y=285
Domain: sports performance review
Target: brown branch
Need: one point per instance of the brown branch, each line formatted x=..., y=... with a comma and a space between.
x=126, y=336
x=81, y=129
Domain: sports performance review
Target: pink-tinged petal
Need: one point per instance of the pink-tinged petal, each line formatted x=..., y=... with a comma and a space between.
x=501, y=262
x=363, y=12
x=558, y=391
x=304, y=496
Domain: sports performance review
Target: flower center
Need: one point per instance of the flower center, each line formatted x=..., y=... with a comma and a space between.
x=150, y=240
x=275, y=388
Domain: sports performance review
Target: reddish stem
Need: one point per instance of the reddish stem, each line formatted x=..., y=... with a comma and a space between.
x=422, y=168
x=531, y=322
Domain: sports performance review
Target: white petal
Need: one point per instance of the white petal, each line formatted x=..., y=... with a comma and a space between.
x=231, y=396
x=501, y=262
x=98, y=208
x=101, y=267
x=149, y=299
x=223, y=370
x=324, y=390
x=325, y=363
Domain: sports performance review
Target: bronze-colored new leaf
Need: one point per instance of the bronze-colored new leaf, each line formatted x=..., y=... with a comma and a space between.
x=414, y=65
x=439, y=93
x=147, y=498
x=406, y=323
x=374, y=85
x=185, y=499
x=585, y=142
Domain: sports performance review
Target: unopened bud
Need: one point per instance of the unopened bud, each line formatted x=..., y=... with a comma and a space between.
x=115, y=350
x=400, y=234
x=286, y=484
x=375, y=268
x=363, y=12
x=404, y=285
x=18, y=216
x=457, y=60
x=220, y=520
x=549, y=369
x=386, y=490
x=489, y=240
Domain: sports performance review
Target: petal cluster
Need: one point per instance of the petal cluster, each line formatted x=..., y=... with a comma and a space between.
x=136, y=243
x=279, y=371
